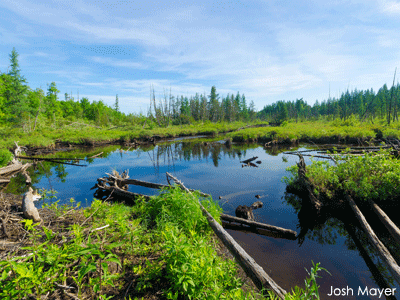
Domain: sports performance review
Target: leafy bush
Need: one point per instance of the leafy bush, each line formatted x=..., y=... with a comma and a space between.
x=5, y=157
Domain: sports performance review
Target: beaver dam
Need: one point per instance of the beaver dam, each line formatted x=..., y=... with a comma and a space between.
x=214, y=167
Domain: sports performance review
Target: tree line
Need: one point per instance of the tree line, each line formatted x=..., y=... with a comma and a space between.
x=25, y=107
x=200, y=107
x=364, y=104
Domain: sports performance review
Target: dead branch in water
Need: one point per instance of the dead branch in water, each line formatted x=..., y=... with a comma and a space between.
x=249, y=160
x=285, y=232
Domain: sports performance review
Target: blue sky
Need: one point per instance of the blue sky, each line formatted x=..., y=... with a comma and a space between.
x=268, y=50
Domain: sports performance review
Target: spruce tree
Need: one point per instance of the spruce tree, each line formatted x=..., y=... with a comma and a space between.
x=16, y=106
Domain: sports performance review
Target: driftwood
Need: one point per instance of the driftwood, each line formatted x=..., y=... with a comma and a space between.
x=28, y=207
x=255, y=225
x=14, y=168
x=122, y=182
x=390, y=226
x=252, y=269
x=382, y=251
x=249, y=160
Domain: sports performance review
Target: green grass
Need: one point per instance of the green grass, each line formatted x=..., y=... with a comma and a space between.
x=47, y=136
x=161, y=246
x=374, y=176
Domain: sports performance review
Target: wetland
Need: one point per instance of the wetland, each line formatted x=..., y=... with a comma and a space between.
x=211, y=166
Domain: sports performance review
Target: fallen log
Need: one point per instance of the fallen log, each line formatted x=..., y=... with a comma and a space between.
x=121, y=192
x=390, y=226
x=249, y=160
x=382, y=251
x=259, y=231
x=253, y=270
x=378, y=277
x=142, y=183
x=254, y=224
x=4, y=180
x=14, y=168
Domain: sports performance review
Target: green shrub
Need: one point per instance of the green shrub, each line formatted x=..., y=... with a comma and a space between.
x=5, y=157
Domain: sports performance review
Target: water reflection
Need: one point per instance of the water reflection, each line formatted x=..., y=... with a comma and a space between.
x=214, y=168
x=355, y=239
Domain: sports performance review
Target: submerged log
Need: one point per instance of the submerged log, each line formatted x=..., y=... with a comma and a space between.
x=378, y=277
x=383, y=217
x=253, y=270
x=287, y=232
x=382, y=251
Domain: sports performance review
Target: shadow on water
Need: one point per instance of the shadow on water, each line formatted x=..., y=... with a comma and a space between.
x=214, y=167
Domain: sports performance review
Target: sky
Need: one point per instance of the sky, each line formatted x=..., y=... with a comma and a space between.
x=267, y=50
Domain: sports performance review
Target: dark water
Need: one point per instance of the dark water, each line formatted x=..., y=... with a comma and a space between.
x=216, y=170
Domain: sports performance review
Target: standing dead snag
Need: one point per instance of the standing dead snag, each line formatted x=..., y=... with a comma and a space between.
x=252, y=269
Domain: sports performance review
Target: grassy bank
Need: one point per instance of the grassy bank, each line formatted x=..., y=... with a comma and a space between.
x=321, y=131
x=83, y=133
x=161, y=249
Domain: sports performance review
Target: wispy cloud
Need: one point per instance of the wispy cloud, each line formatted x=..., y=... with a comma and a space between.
x=117, y=62
x=268, y=50
x=391, y=7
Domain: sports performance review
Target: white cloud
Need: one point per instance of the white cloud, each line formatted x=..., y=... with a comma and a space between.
x=390, y=7
x=135, y=32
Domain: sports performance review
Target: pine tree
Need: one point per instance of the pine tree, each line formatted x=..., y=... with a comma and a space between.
x=16, y=92
x=116, y=103
x=213, y=104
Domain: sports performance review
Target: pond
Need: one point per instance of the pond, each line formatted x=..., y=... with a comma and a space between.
x=214, y=168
